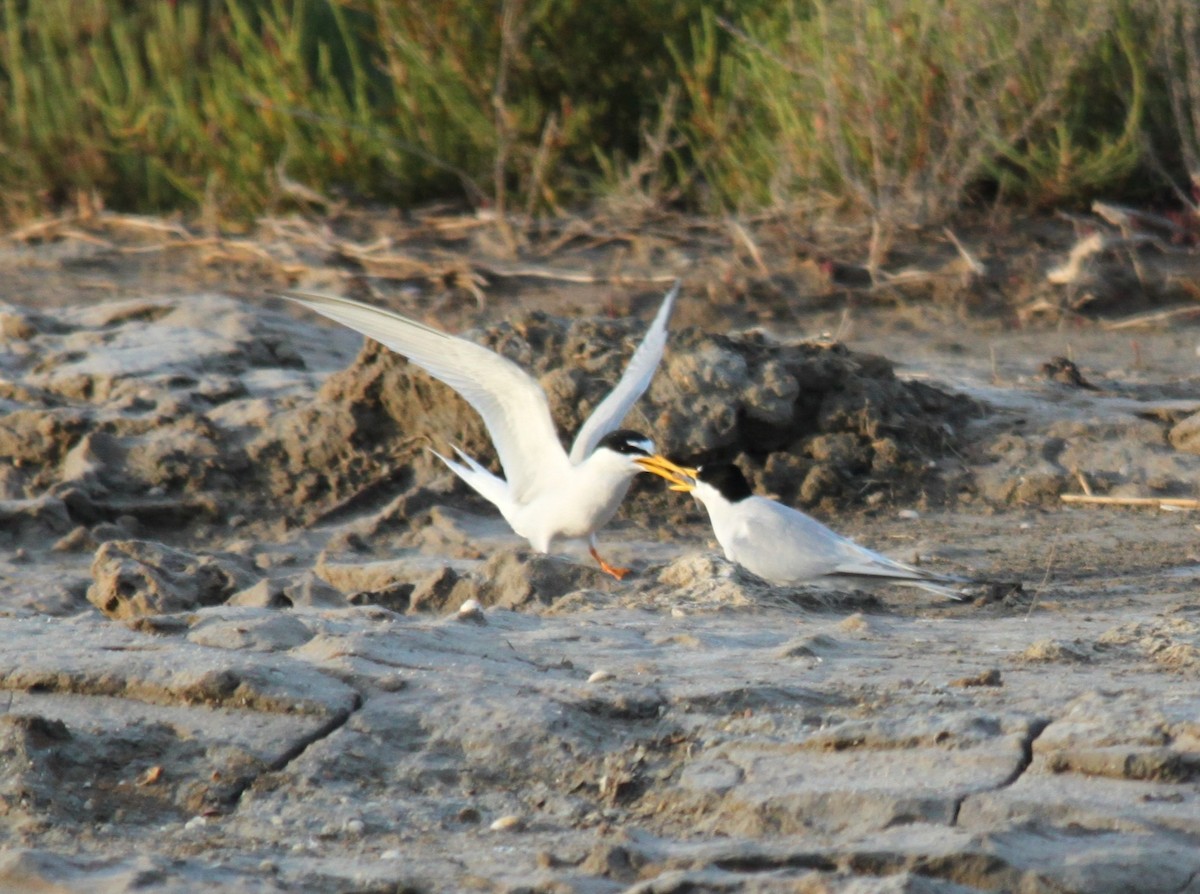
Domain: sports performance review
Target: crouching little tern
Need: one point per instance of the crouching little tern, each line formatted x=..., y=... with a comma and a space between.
x=546, y=494
x=781, y=544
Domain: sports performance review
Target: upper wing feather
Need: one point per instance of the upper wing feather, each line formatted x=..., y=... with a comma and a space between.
x=642, y=365
x=513, y=405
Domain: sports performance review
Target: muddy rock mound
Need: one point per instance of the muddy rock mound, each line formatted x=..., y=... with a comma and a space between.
x=813, y=420
x=133, y=578
x=511, y=579
x=365, y=428
x=135, y=411
x=1117, y=442
x=810, y=420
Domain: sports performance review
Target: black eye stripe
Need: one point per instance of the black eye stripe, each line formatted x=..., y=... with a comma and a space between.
x=627, y=442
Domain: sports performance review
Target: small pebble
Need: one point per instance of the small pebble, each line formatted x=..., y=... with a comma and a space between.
x=471, y=610
x=509, y=823
x=908, y=514
x=600, y=676
x=391, y=683
x=855, y=623
x=390, y=854
x=195, y=822
x=990, y=677
x=355, y=827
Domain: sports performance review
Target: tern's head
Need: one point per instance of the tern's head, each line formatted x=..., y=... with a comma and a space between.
x=724, y=478
x=704, y=482
x=624, y=447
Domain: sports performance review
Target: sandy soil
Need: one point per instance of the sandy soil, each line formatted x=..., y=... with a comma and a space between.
x=241, y=651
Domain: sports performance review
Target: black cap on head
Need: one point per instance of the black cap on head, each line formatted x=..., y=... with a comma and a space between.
x=727, y=479
x=628, y=442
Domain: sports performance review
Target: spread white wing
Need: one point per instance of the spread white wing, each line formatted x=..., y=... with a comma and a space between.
x=638, y=373
x=513, y=406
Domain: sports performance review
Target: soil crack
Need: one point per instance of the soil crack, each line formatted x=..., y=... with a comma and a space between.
x=1037, y=726
x=335, y=723
x=1187, y=885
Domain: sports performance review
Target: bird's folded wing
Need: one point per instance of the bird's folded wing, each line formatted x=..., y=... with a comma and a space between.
x=881, y=566
x=636, y=379
x=779, y=543
x=866, y=563
x=513, y=405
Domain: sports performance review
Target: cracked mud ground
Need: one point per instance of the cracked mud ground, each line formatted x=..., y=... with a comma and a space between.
x=239, y=651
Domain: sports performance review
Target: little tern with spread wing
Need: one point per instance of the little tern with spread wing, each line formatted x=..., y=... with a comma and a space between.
x=546, y=493
x=781, y=544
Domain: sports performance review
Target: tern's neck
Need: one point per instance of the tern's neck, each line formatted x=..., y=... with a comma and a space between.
x=720, y=510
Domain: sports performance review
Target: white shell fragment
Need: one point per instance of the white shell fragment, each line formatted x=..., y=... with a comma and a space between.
x=508, y=823
x=472, y=610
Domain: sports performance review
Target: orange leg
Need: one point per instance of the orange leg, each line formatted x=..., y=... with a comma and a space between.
x=616, y=572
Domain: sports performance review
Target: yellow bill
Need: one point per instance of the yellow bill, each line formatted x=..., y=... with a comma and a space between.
x=681, y=478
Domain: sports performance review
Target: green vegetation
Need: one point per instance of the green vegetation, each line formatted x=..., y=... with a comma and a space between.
x=903, y=109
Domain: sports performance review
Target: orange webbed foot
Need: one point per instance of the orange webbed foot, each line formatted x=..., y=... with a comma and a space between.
x=616, y=571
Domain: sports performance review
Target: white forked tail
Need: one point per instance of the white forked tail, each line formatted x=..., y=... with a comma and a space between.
x=490, y=487
x=880, y=568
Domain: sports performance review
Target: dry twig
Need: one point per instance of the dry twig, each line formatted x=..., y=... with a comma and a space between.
x=974, y=265
x=1152, y=318
x=1177, y=502
x=745, y=238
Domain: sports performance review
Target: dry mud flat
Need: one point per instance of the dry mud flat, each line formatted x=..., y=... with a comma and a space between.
x=255, y=640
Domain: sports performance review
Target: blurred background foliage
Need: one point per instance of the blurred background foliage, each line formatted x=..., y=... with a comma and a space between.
x=905, y=110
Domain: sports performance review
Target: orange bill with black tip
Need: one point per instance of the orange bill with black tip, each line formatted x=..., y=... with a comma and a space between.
x=681, y=478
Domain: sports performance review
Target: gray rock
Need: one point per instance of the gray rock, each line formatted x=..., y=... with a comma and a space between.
x=43, y=870
x=132, y=578
x=96, y=461
x=264, y=594
x=1185, y=434
x=351, y=577
x=520, y=579
x=34, y=520
x=436, y=592
x=307, y=589
x=37, y=438
x=262, y=630
x=304, y=589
